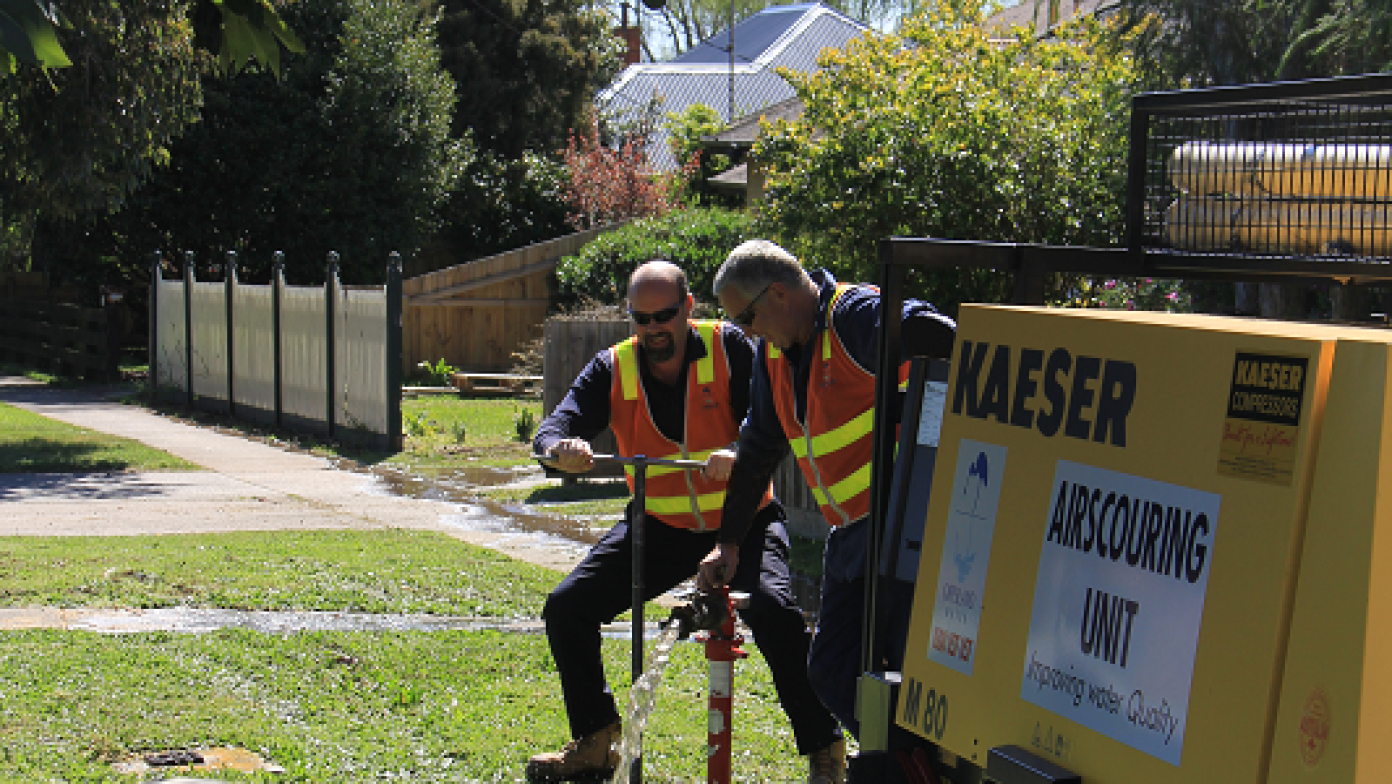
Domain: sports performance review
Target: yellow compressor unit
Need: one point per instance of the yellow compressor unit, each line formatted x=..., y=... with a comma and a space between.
x=1158, y=549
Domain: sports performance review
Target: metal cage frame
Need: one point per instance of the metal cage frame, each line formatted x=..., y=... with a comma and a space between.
x=1145, y=254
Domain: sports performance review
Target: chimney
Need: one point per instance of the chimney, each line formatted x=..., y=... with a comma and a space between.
x=629, y=35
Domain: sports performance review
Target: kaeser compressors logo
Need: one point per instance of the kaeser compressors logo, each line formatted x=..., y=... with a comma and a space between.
x=1262, y=426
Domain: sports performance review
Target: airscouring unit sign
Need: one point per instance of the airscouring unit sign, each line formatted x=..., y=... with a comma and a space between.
x=1118, y=604
x=1112, y=539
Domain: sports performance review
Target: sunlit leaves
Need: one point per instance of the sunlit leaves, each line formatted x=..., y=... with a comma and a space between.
x=28, y=34
x=944, y=132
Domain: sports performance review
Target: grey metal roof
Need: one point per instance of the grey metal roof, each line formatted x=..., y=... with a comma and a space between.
x=789, y=36
x=745, y=131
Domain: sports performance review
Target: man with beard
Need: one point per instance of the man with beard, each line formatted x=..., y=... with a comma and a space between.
x=677, y=389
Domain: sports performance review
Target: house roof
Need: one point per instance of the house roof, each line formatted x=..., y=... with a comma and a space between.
x=745, y=131
x=786, y=36
x=1036, y=12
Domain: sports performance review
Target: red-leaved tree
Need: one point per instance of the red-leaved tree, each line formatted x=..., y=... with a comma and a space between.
x=604, y=184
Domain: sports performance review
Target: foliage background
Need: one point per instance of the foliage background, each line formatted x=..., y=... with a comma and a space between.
x=941, y=132
x=349, y=152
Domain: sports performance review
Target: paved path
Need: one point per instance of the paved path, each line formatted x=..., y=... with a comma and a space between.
x=247, y=486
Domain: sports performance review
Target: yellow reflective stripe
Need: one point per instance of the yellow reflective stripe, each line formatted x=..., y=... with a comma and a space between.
x=845, y=435
x=705, y=366
x=845, y=489
x=680, y=505
x=626, y=365
x=841, y=288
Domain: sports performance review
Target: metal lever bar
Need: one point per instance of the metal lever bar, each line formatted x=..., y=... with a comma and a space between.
x=652, y=461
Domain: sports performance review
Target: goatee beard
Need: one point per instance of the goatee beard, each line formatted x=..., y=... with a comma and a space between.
x=660, y=353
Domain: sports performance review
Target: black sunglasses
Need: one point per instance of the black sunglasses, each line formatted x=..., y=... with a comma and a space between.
x=659, y=316
x=746, y=317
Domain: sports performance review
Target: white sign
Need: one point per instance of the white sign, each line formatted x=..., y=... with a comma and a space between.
x=931, y=412
x=1118, y=605
x=966, y=554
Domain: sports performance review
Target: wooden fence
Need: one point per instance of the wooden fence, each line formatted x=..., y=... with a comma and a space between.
x=474, y=316
x=62, y=338
x=572, y=341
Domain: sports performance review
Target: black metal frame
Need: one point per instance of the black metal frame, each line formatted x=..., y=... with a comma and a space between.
x=1143, y=257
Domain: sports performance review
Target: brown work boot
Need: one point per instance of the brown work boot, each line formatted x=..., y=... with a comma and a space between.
x=828, y=766
x=591, y=758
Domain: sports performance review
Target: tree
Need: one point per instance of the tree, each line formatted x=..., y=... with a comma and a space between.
x=681, y=24
x=604, y=185
x=234, y=30
x=79, y=139
x=525, y=70
x=685, y=130
x=352, y=154
x=943, y=133
x=1217, y=42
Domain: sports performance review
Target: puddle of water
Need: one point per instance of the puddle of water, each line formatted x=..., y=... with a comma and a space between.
x=199, y=620
x=524, y=525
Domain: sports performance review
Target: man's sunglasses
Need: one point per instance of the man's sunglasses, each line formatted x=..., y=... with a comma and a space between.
x=659, y=316
x=746, y=317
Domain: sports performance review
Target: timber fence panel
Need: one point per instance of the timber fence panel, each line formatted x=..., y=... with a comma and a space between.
x=169, y=353
x=253, y=352
x=210, y=344
x=60, y=337
x=360, y=365
x=570, y=344
x=304, y=351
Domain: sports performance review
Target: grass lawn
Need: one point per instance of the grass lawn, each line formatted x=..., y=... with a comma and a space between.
x=31, y=443
x=328, y=706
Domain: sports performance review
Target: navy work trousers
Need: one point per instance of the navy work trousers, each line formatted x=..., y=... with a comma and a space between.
x=834, y=664
x=601, y=587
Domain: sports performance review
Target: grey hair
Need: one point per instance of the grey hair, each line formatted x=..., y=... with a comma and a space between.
x=757, y=263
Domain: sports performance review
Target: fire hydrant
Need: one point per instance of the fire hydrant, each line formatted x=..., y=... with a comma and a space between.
x=714, y=615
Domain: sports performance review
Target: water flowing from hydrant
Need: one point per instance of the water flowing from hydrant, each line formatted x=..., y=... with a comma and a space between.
x=641, y=699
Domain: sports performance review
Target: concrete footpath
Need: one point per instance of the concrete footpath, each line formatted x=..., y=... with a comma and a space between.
x=245, y=486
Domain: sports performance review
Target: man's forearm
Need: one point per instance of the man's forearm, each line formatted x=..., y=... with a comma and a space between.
x=745, y=491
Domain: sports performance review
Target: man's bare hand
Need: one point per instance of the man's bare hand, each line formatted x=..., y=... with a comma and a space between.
x=718, y=567
x=573, y=455
x=719, y=465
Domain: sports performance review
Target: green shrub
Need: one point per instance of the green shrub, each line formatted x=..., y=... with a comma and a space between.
x=439, y=373
x=945, y=131
x=697, y=240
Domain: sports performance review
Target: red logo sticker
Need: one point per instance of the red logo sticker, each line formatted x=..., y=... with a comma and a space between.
x=1314, y=728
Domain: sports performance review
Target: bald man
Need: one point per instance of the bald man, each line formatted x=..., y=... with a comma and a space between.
x=678, y=389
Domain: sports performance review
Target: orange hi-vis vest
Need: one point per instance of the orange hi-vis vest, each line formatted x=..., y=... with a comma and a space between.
x=679, y=497
x=835, y=445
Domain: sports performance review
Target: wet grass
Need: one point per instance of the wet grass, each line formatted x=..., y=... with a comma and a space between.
x=328, y=706
x=363, y=571
x=345, y=707
x=30, y=443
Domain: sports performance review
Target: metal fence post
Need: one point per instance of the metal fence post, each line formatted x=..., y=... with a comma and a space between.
x=230, y=297
x=277, y=286
x=639, y=542
x=188, y=327
x=330, y=281
x=152, y=347
x=394, y=308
